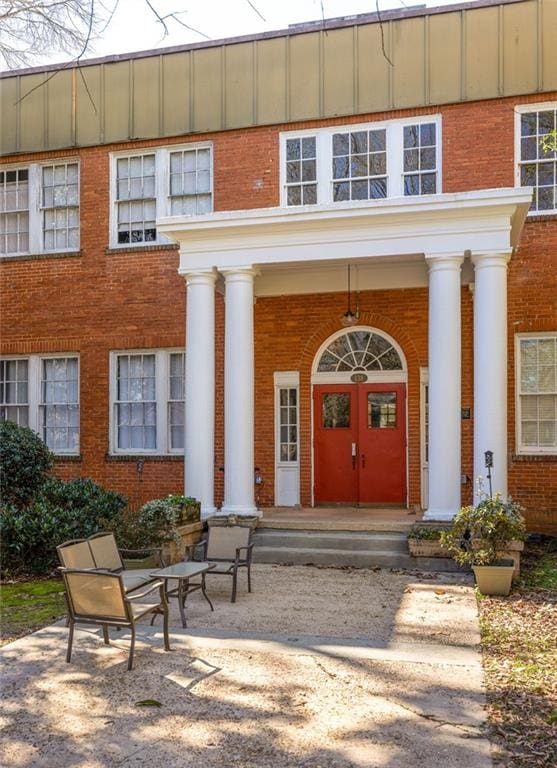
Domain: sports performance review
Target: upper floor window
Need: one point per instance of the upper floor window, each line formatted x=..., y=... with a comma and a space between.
x=43, y=393
x=536, y=166
x=147, y=401
x=160, y=182
x=536, y=366
x=362, y=162
x=39, y=208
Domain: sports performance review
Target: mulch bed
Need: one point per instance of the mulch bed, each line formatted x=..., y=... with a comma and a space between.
x=519, y=645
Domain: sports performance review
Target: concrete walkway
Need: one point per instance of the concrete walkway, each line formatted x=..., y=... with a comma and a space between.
x=391, y=687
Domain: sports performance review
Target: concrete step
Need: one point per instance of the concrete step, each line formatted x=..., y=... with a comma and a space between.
x=351, y=541
x=355, y=559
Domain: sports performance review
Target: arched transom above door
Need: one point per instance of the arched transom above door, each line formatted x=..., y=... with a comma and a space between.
x=359, y=350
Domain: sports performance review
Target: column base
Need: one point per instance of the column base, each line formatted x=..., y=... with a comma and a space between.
x=240, y=511
x=208, y=512
x=442, y=515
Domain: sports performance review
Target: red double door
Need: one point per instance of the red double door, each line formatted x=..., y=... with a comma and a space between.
x=360, y=444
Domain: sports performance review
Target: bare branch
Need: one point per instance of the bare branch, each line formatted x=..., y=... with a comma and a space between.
x=382, y=33
x=257, y=11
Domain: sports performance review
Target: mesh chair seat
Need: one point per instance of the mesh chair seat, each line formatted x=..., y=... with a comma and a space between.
x=140, y=609
x=136, y=578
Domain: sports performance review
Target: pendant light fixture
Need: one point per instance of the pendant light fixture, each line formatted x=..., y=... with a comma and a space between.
x=349, y=317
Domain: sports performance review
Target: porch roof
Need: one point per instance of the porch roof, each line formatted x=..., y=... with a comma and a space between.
x=483, y=221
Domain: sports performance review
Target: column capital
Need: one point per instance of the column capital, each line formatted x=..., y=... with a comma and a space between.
x=491, y=259
x=444, y=261
x=239, y=274
x=199, y=277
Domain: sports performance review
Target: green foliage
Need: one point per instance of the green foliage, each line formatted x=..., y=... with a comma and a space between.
x=29, y=605
x=61, y=510
x=24, y=463
x=155, y=524
x=424, y=533
x=549, y=142
x=477, y=533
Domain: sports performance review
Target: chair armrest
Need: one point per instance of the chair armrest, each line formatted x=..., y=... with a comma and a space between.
x=152, y=587
x=192, y=549
x=248, y=549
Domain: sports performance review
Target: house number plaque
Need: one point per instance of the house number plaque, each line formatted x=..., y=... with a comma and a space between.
x=358, y=378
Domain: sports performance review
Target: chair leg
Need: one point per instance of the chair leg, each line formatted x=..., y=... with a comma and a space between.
x=105, y=635
x=234, y=585
x=132, y=646
x=70, y=641
x=165, y=628
x=249, y=577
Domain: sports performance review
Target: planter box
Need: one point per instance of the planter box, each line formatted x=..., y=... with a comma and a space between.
x=509, y=551
x=130, y=564
x=249, y=521
x=494, y=579
x=190, y=534
x=426, y=548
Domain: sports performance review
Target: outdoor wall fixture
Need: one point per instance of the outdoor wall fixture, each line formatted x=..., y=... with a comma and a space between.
x=349, y=317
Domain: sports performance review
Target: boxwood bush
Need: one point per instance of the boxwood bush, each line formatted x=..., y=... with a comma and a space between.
x=24, y=463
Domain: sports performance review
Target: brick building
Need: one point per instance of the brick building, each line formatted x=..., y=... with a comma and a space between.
x=333, y=265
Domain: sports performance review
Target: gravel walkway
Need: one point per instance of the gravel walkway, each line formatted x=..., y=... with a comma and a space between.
x=317, y=668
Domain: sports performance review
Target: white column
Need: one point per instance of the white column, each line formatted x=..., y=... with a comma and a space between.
x=444, y=463
x=239, y=393
x=490, y=369
x=199, y=453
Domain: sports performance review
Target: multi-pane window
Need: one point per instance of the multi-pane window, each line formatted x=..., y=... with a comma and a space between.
x=167, y=181
x=14, y=211
x=190, y=182
x=59, y=404
x=288, y=423
x=301, y=171
x=381, y=410
x=39, y=208
x=147, y=401
x=359, y=351
x=537, y=165
x=136, y=403
x=360, y=165
x=420, y=159
x=43, y=394
x=14, y=391
x=60, y=206
x=176, y=395
x=537, y=393
x=136, y=199
x=387, y=159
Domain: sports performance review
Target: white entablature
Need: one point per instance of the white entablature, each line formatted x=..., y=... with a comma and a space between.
x=484, y=221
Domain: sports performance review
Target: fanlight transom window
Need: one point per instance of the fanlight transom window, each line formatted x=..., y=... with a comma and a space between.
x=359, y=351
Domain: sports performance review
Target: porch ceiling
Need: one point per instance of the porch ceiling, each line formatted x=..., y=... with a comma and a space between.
x=484, y=221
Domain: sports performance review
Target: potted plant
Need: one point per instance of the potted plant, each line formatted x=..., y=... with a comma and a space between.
x=480, y=535
x=425, y=541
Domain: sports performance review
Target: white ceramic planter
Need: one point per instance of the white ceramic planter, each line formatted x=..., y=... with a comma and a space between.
x=494, y=579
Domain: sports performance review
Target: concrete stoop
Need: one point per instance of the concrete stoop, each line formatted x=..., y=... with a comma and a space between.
x=359, y=549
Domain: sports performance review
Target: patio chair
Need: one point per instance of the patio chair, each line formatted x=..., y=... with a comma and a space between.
x=229, y=548
x=99, y=598
x=101, y=552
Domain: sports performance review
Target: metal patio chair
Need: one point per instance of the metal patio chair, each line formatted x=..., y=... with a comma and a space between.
x=229, y=548
x=98, y=598
x=101, y=552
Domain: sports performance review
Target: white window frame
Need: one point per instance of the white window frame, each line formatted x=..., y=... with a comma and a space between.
x=162, y=187
x=36, y=210
x=395, y=145
x=162, y=392
x=520, y=110
x=34, y=399
x=287, y=473
x=527, y=450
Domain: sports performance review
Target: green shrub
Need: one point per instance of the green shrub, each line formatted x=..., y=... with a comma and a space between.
x=24, y=463
x=424, y=533
x=478, y=533
x=61, y=510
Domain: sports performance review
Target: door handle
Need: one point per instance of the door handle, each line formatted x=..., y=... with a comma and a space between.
x=354, y=453
x=363, y=460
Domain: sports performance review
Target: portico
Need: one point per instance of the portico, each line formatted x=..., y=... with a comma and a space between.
x=439, y=241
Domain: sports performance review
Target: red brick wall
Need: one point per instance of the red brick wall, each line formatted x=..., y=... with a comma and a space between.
x=97, y=301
